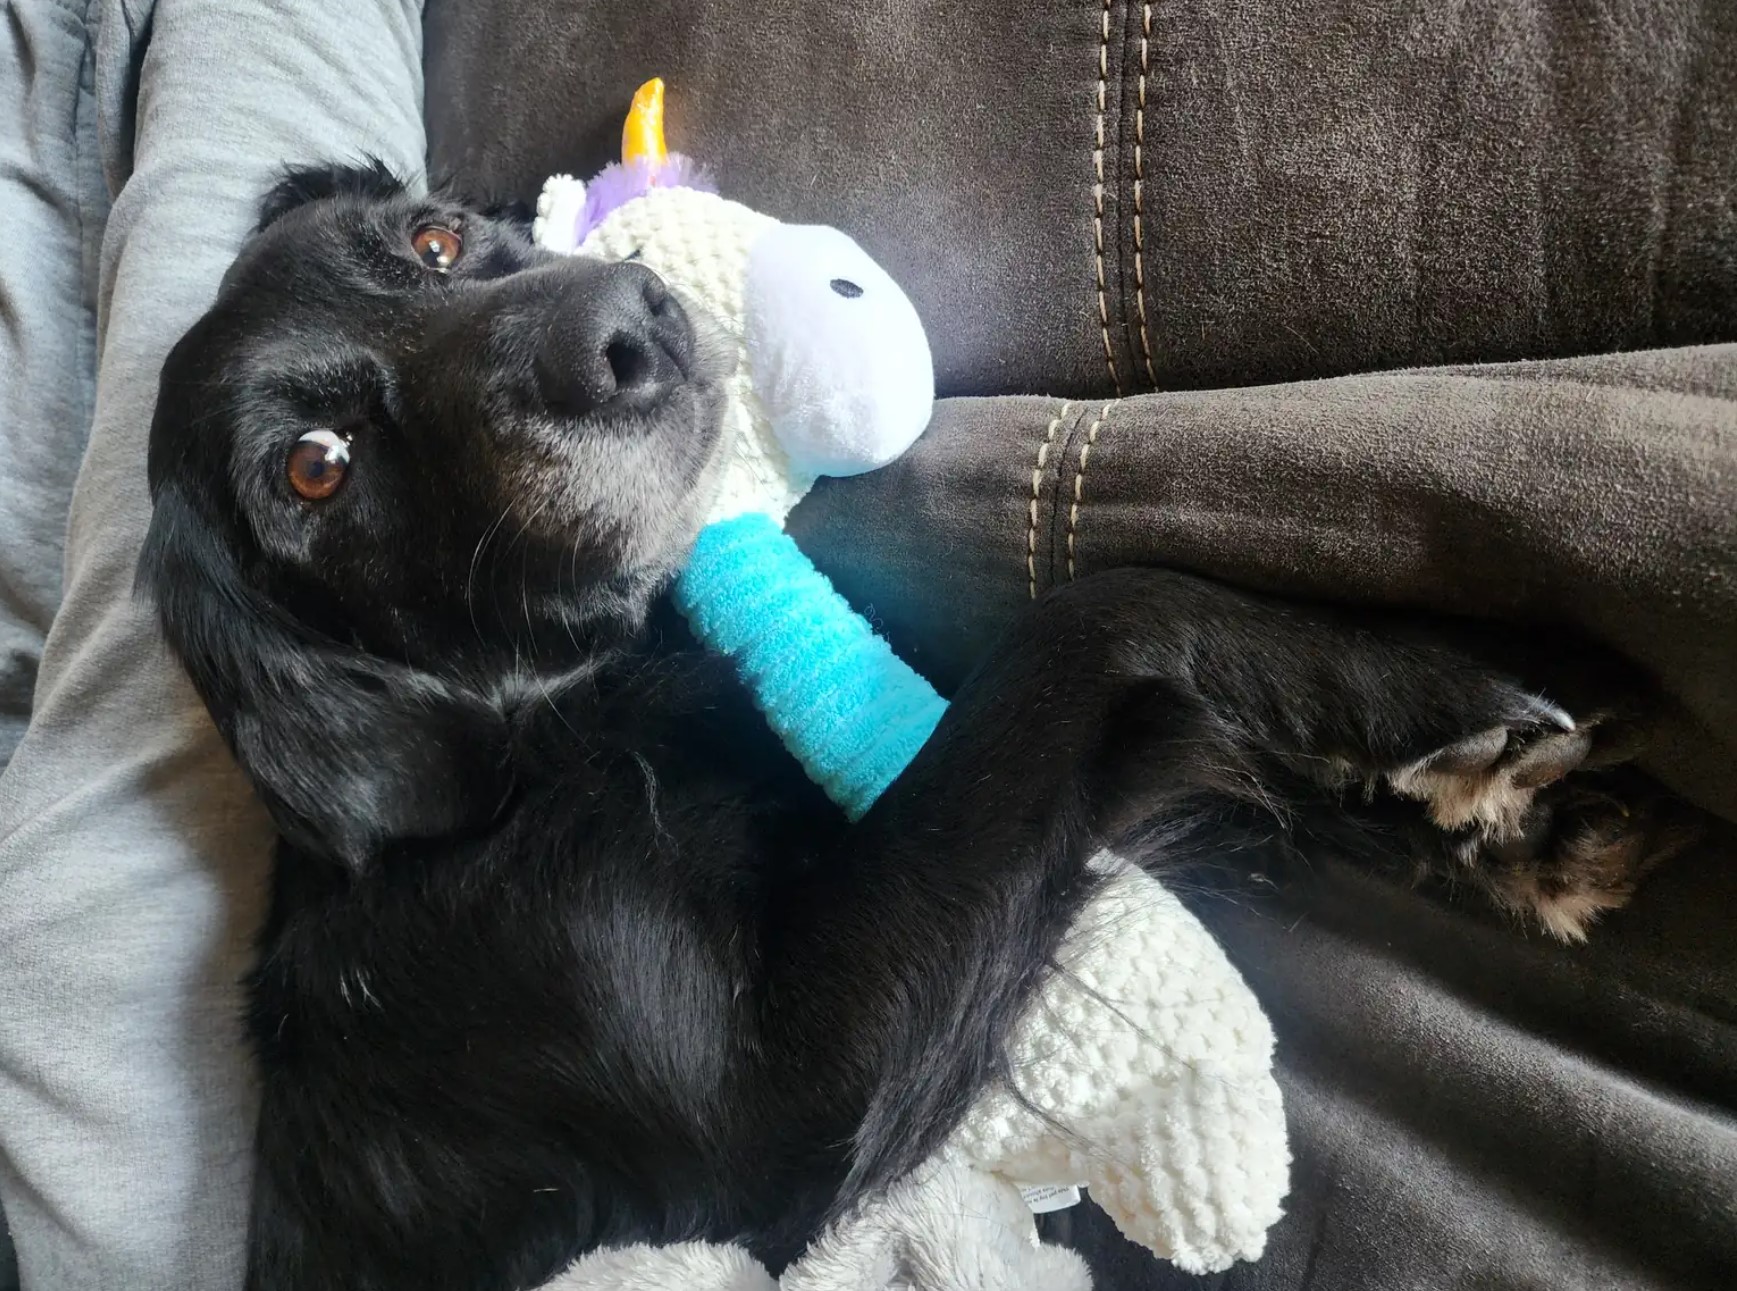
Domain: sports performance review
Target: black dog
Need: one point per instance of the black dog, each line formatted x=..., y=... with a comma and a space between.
x=564, y=950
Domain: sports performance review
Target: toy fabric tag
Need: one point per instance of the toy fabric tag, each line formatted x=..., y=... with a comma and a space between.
x=1044, y=1197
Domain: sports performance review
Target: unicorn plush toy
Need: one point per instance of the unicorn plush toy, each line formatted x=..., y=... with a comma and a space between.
x=833, y=377
x=1144, y=1069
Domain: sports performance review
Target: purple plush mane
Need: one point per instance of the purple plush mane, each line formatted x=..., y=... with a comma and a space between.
x=619, y=183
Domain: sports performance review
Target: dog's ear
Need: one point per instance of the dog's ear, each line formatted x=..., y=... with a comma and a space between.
x=348, y=751
x=368, y=178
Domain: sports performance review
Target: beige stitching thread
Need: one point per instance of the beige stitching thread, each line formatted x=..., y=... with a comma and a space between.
x=1080, y=481
x=1098, y=196
x=1037, y=497
x=1139, y=186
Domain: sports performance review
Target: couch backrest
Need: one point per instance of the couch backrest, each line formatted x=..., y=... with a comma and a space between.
x=1104, y=195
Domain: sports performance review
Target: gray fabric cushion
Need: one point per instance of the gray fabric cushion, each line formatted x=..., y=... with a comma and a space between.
x=53, y=204
x=131, y=851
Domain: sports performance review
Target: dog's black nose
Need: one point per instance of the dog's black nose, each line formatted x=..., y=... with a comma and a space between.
x=615, y=336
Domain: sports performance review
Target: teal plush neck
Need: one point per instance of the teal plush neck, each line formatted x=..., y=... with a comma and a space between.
x=851, y=711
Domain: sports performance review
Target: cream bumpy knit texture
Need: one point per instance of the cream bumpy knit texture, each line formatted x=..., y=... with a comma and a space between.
x=1142, y=1070
x=1151, y=1053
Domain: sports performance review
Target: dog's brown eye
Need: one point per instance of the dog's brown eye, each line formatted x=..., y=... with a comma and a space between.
x=317, y=464
x=437, y=246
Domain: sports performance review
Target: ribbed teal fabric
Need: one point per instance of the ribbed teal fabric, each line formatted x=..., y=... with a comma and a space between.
x=851, y=711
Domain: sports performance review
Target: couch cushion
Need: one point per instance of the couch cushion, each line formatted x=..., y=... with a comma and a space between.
x=1597, y=495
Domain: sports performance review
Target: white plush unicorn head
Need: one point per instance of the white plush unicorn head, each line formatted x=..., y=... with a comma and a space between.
x=833, y=374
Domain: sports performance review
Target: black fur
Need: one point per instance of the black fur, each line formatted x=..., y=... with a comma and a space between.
x=563, y=949
x=367, y=179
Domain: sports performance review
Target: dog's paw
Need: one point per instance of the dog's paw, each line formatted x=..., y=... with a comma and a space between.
x=1487, y=780
x=1578, y=849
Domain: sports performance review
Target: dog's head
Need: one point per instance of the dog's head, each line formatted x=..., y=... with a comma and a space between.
x=404, y=459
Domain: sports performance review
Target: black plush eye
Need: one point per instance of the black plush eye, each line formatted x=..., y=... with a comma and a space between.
x=846, y=288
x=318, y=464
x=437, y=246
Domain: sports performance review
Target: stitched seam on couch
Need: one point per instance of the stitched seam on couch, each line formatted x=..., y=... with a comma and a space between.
x=1044, y=448
x=1056, y=475
x=1076, y=501
x=1140, y=194
x=1098, y=193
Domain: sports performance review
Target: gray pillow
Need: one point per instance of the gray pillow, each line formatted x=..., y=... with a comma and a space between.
x=8, y=1259
x=131, y=851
